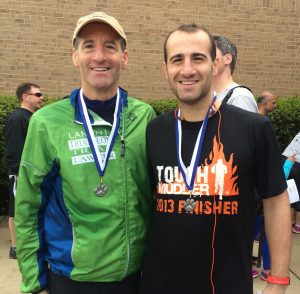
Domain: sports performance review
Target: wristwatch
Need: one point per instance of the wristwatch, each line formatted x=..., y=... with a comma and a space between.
x=278, y=280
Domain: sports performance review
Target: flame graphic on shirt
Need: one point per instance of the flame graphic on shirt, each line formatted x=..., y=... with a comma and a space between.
x=218, y=166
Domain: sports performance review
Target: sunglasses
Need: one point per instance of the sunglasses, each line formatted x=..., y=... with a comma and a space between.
x=36, y=94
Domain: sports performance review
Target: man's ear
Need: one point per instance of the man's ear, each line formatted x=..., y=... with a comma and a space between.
x=228, y=58
x=215, y=66
x=124, y=64
x=165, y=70
x=75, y=58
x=23, y=98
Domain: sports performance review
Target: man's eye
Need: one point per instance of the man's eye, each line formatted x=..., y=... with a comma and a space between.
x=176, y=60
x=111, y=47
x=87, y=47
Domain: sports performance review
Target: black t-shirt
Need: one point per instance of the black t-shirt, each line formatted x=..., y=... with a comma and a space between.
x=15, y=134
x=240, y=149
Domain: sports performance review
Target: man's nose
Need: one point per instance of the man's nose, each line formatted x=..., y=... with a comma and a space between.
x=188, y=68
x=99, y=53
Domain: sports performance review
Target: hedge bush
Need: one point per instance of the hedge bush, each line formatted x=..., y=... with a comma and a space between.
x=286, y=120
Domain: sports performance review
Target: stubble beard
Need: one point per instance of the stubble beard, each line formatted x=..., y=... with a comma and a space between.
x=202, y=96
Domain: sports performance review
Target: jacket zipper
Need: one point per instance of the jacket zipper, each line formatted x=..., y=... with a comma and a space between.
x=73, y=233
x=126, y=223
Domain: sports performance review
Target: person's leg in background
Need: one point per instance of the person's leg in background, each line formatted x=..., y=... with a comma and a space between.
x=257, y=230
x=266, y=260
x=295, y=174
x=11, y=226
x=11, y=214
x=265, y=254
x=296, y=217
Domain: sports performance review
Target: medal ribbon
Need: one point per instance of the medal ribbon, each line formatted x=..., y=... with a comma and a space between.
x=101, y=163
x=189, y=174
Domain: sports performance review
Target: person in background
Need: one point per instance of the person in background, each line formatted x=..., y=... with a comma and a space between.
x=84, y=198
x=267, y=103
x=287, y=167
x=15, y=130
x=207, y=158
x=227, y=90
x=294, y=149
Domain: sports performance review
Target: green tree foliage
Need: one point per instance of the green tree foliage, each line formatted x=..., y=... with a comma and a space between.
x=286, y=120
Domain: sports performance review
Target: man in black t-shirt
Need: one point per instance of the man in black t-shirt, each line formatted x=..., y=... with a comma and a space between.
x=294, y=149
x=207, y=158
x=15, y=131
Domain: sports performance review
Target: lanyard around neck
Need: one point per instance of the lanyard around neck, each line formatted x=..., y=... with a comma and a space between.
x=101, y=161
x=189, y=173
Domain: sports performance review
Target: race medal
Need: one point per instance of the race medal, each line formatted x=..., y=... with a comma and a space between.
x=189, y=205
x=101, y=190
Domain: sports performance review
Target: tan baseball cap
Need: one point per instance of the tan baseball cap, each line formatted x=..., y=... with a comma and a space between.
x=98, y=17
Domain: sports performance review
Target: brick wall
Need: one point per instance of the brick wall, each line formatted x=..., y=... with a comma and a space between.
x=35, y=41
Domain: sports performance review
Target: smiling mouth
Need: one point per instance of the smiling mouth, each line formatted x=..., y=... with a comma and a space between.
x=191, y=82
x=100, y=69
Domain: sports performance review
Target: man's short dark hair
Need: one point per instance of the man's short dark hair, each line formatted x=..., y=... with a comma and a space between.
x=226, y=47
x=191, y=28
x=25, y=88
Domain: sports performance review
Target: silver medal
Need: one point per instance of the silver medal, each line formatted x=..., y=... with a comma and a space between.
x=189, y=205
x=101, y=190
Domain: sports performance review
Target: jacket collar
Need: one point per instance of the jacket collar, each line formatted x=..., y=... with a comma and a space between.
x=94, y=118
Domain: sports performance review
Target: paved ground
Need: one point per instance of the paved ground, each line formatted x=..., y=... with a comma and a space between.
x=10, y=276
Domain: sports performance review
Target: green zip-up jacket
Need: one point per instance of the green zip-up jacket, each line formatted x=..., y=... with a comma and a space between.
x=60, y=223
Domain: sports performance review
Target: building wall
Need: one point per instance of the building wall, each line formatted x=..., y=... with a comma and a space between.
x=35, y=41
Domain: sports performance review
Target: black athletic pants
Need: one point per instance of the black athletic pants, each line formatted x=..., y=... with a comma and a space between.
x=62, y=285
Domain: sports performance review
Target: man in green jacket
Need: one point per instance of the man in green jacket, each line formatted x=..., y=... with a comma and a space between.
x=84, y=195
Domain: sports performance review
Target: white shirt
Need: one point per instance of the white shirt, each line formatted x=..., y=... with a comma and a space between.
x=293, y=148
x=241, y=97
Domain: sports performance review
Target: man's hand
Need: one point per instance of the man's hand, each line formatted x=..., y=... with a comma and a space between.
x=292, y=158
